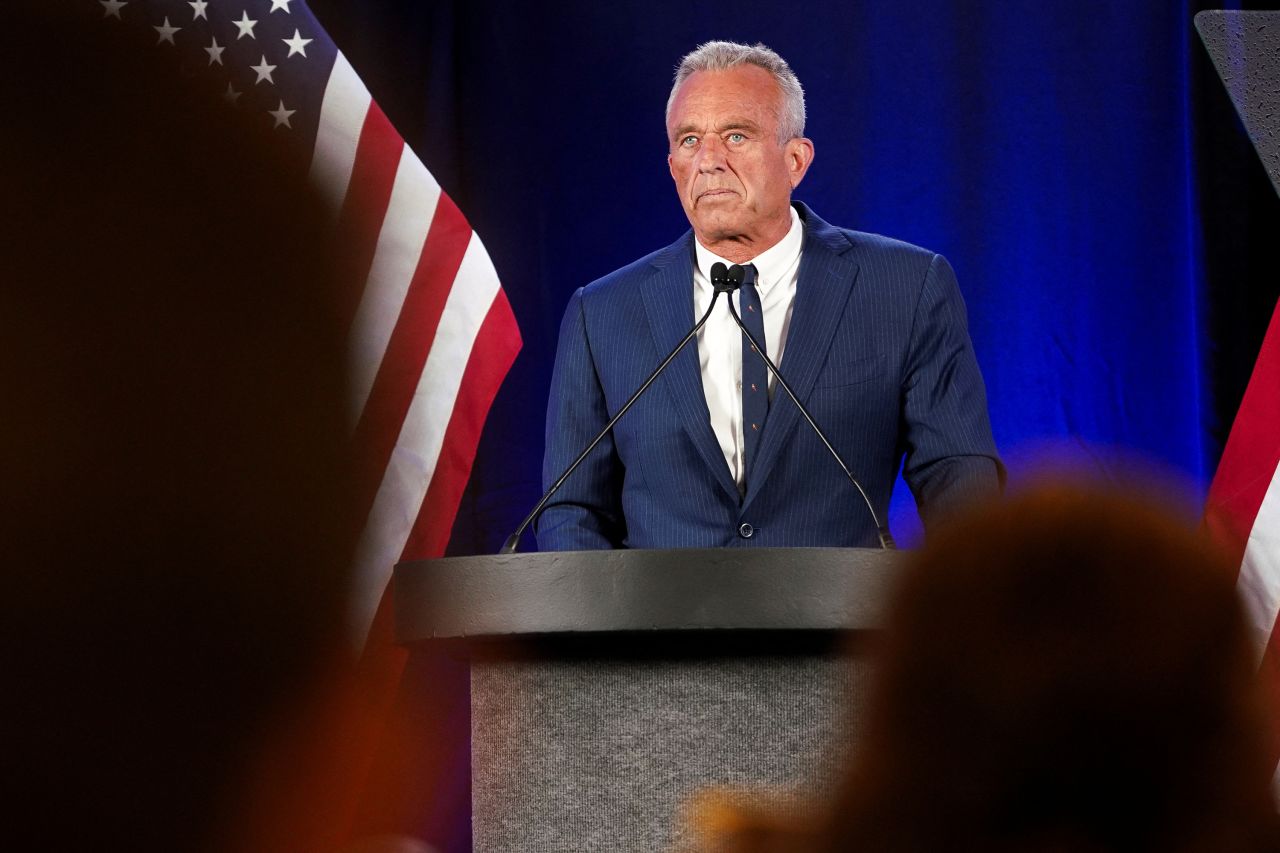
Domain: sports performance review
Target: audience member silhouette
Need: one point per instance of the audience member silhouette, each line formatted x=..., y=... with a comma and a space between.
x=1065, y=671
x=173, y=460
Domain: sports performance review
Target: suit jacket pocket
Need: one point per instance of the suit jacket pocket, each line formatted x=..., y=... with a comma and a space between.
x=852, y=372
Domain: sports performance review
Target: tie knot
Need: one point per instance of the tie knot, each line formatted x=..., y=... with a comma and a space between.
x=749, y=275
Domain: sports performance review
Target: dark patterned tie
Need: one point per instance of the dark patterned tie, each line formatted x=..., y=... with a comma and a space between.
x=755, y=376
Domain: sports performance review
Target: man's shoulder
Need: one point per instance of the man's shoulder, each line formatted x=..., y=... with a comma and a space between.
x=861, y=245
x=644, y=267
x=889, y=247
x=623, y=283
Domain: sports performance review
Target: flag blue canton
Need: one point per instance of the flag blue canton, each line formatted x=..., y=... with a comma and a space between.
x=266, y=56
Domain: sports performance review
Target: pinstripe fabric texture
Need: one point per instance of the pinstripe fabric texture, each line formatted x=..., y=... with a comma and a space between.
x=879, y=350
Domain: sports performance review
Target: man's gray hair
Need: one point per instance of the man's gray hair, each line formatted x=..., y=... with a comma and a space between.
x=723, y=55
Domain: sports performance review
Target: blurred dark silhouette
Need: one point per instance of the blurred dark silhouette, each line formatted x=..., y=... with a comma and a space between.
x=173, y=460
x=1067, y=671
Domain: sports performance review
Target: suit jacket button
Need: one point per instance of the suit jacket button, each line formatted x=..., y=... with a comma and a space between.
x=746, y=531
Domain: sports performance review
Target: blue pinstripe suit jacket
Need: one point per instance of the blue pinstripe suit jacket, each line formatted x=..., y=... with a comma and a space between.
x=879, y=351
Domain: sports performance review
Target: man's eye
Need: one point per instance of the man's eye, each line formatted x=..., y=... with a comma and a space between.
x=736, y=137
x=689, y=141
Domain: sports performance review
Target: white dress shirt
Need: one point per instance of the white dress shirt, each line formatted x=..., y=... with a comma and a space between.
x=720, y=341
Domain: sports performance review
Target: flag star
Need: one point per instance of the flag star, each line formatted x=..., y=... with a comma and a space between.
x=197, y=8
x=245, y=26
x=282, y=115
x=215, y=51
x=231, y=96
x=263, y=71
x=165, y=32
x=297, y=44
x=280, y=4
x=111, y=8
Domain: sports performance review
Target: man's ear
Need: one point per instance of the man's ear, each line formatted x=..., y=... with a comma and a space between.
x=799, y=154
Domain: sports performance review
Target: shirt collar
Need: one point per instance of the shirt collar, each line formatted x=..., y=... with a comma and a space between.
x=771, y=264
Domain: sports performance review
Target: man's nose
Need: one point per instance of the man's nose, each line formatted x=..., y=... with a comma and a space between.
x=711, y=155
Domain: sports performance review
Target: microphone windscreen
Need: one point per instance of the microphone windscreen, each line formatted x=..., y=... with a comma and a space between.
x=719, y=274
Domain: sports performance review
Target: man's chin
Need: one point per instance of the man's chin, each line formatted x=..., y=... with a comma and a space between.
x=721, y=224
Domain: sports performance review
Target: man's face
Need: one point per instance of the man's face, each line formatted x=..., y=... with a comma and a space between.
x=733, y=176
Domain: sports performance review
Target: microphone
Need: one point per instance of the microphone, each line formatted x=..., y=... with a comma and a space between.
x=721, y=283
x=734, y=280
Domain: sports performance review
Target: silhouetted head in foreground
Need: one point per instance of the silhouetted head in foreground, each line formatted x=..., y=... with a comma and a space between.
x=173, y=453
x=1066, y=671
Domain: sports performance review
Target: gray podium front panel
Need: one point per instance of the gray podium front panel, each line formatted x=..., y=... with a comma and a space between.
x=608, y=687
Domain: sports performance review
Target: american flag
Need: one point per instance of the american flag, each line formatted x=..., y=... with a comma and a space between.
x=432, y=334
x=1242, y=511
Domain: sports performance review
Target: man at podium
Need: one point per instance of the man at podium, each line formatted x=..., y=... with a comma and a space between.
x=869, y=332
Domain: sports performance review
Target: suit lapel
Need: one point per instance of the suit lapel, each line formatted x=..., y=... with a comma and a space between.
x=668, y=303
x=827, y=276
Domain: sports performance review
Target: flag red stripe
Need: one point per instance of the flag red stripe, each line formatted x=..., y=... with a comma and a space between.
x=495, y=349
x=1240, y=485
x=1253, y=450
x=365, y=206
x=410, y=344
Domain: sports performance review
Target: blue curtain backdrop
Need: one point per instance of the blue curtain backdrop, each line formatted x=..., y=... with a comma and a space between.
x=1077, y=163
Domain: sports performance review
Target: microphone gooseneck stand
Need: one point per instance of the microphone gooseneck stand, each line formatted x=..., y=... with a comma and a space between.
x=721, y=283
x=736, y=274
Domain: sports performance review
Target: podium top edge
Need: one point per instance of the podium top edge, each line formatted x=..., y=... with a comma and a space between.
x=604, y=592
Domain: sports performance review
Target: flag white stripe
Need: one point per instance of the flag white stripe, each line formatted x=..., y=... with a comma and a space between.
x=1259, y=581
x=413, y=461
x=342, y=114
x=414, y=198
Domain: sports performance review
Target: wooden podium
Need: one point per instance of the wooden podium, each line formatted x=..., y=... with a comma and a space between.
x=608, y=686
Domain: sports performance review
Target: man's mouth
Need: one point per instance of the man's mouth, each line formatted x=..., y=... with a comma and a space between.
x=714, y=194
